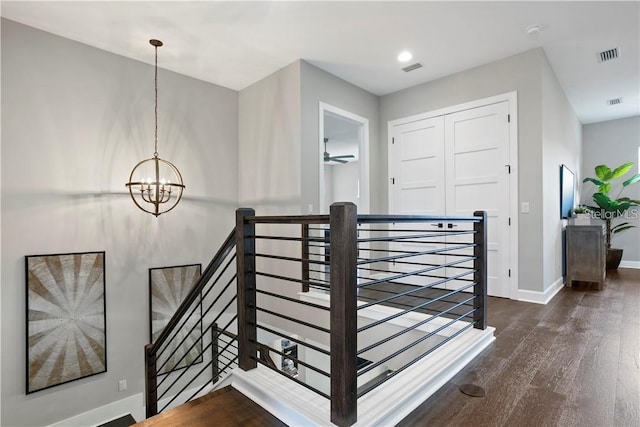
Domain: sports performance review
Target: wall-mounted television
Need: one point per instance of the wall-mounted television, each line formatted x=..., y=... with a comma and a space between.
x=567, y=191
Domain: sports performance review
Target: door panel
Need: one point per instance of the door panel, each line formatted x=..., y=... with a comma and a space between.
x=418, y=169
x=477, y=152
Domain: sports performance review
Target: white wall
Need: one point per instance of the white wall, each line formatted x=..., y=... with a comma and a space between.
x=521, y=73
x=75, y=120
x=614, y=143
x=561, y=144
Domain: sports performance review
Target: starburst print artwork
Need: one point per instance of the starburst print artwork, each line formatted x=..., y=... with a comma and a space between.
x=65, y=318
x=168, y=287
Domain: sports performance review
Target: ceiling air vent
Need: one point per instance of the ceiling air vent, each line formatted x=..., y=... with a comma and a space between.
x=608, y=55
x=614, y=101
x=412, y=67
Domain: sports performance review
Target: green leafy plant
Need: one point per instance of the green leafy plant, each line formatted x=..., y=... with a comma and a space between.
x=609, y=208
x=581, y=209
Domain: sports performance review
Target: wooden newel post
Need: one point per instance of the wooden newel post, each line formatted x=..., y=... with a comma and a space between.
x=246, y=280
x=343, y=313
x=305, y=257
x=150, y=381
x=480, y=267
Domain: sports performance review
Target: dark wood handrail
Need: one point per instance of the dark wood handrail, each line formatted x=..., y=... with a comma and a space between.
x=213, y=266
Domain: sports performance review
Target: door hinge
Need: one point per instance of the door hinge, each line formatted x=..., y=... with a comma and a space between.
x=393, y=181
x=508, y=118
x=393, y=140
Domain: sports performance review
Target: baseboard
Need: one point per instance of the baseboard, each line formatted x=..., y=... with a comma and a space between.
x=629, y=264
x=538, y=297
x=133, y=405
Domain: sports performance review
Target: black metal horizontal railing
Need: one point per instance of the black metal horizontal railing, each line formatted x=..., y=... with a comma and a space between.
x=389, y=290
x=431, y=279
x=198, y=345
x=426, y=271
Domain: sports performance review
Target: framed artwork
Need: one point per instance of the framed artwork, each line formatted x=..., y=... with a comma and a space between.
x=66, y=323
x=168, y=287
x=567, y=190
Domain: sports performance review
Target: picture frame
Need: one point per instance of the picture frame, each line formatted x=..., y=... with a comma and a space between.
x=168, y=287
x=567, y=191
x=66, y=328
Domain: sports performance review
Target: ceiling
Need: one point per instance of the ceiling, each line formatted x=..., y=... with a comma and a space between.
x=236, y=43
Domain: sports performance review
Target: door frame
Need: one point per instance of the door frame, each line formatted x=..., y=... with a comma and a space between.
x=364, y=203
x=512, y=99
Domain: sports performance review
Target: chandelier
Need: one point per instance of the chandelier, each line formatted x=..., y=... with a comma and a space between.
x=155, y=184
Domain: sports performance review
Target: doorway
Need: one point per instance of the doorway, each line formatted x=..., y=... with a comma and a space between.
x=344, y=158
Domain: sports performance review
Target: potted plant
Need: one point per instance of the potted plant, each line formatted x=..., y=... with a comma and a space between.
x=609, y=208
x=582, y=215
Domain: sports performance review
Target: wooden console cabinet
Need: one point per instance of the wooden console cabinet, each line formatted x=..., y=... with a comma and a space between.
x=586, y=254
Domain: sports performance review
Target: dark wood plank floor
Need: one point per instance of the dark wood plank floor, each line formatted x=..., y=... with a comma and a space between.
x=226, y=407
x=572, y=362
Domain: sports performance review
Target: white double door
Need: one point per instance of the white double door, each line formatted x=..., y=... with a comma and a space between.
x=453, y=165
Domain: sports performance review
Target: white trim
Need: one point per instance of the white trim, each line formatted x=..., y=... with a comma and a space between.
x=133, y=405
x=538, y=297
x=364, y=204
x=512, y=99
x=629, y=264
x=298, y=406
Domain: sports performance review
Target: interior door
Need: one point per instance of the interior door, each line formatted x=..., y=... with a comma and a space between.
x=477, y=178
x=418, y=185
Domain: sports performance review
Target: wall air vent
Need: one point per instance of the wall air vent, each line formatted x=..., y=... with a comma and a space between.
x=412, y=67
x=608, y=55
x=614, y=101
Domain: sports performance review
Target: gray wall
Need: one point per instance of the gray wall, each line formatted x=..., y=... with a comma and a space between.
x=561, y=144
x=521, y=73
x=75, y=120
x=319, y=86
x=269, y=143
x=613, y=143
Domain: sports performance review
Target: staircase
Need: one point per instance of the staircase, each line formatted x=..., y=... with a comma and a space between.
x=402, y=293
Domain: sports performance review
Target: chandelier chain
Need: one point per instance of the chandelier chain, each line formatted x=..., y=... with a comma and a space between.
x=155, y=154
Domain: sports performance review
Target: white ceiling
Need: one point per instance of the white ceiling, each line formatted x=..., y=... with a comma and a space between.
x=236, y=43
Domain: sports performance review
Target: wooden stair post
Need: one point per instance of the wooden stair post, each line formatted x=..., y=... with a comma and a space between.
x=343, y=220
x=246, y=281
x=480, y=267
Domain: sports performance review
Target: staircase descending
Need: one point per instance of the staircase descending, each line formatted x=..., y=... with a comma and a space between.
x=319, y=318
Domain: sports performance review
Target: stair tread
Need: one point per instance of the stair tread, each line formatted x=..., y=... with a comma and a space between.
x=223, y=407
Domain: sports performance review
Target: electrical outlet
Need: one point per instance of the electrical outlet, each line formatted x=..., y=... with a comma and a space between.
x=525, y=207
x=310, y=209
x=122, y=385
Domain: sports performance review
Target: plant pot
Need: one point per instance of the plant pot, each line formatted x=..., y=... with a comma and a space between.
x=614, y=256
x=582, y=219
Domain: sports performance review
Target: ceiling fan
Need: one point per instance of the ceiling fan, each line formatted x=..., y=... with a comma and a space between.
x=329, y=158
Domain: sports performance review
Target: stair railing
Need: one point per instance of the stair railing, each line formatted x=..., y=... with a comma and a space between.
x=427, y=272
x=192, y=350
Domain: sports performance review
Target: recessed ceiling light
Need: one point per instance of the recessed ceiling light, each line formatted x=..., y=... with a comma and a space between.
x=534, y=29
x=405, y=56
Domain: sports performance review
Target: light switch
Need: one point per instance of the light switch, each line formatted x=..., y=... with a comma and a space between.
x=525, y=207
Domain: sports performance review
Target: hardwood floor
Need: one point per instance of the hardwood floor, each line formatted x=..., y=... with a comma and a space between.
x=572, y=362
x=225, y=407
